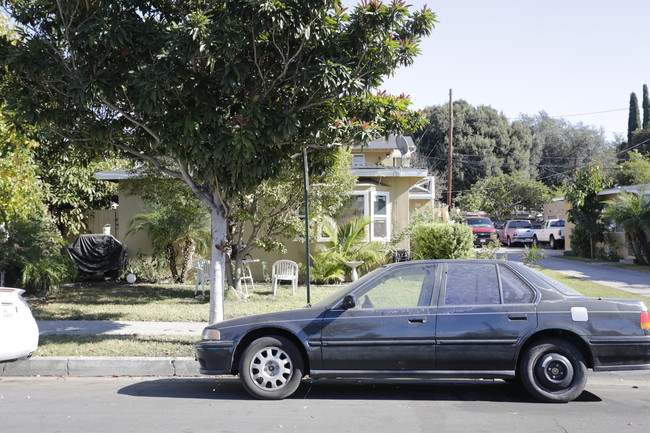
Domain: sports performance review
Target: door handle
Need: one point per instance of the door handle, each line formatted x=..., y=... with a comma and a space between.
x=417, y=320
x=517, y=317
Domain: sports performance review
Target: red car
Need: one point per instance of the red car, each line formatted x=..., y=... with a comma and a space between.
x=483, y=229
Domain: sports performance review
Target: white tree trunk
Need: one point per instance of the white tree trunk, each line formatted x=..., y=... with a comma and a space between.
x=218, y=265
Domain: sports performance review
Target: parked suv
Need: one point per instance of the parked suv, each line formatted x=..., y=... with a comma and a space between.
x=483, y=229
x=516, y=231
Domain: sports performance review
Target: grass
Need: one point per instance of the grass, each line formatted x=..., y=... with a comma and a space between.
x=161, y=303
x=152, y=302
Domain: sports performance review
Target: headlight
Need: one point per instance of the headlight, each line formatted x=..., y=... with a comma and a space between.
x=211, y=334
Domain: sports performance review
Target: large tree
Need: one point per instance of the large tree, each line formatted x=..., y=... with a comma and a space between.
x=561, y=147
x=634, y=118
x=216, y=93
x=503, y=196
x=484, y=143
x=645, y=123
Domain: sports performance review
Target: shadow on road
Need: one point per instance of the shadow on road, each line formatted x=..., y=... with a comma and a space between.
x=330, y=389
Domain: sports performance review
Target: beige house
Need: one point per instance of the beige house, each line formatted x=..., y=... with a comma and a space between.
x=388, y=191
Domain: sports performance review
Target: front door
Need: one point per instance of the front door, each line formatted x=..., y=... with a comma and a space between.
x=391, y=327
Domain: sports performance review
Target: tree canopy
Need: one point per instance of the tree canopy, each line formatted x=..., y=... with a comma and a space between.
x=216, y=93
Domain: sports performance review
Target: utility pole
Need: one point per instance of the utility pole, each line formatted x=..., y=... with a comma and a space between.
x=451, y=149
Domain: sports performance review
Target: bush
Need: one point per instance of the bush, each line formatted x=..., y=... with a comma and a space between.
x=442, y=241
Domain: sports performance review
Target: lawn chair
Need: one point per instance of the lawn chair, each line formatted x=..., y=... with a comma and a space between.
x=202, y=267
x=286, y=270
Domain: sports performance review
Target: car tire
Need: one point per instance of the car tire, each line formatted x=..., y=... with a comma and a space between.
x=535, y=241
x=553, y=371
x=508, y=241
x=552, y=243
x=271, y=368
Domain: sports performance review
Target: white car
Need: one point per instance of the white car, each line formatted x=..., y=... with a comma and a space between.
x=18, y=329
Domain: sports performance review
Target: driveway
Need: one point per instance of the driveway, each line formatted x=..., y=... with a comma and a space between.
x=602, y=273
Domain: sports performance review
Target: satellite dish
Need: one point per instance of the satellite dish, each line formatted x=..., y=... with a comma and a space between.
x=402, y=144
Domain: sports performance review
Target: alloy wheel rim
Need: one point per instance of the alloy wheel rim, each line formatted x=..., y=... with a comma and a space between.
x=271, y=368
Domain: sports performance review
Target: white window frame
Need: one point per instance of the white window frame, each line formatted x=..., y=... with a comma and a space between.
x=377, y=217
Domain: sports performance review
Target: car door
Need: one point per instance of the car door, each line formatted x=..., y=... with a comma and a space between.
x=391, y=327
x=485, y=309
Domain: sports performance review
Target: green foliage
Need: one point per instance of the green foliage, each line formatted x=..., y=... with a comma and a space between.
x=34, y=248
x=20, y=187
x=560, y=148
x=489, y=251
x=442, y=241
x=631, y=212
x=178, y=225
x=634, y=171
x=585, y=211
x=427, y=216
x=485, y=144
x=347, y=243
x=502, y=196
x=645, y=124
x=634, y=118
x=533, y=255
x=218, y=94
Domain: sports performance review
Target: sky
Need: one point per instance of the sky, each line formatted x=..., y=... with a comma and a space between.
x=574, y=59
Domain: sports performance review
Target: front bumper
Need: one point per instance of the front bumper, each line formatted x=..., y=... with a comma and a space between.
x=215, y=357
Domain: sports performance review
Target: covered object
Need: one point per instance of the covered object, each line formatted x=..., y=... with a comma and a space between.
x=96, y=255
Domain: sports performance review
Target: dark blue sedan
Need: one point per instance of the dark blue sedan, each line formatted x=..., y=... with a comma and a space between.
x=432, y=319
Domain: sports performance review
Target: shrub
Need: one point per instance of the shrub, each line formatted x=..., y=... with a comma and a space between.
x=533, y=255
x=442, y=241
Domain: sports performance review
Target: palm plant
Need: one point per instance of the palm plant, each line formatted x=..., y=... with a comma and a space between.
x=632, y=213
x=172, y=230
x=348, y=242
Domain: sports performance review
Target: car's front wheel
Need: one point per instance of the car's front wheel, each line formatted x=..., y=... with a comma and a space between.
x=553, y=371
x=552, y=243
x=271, y=368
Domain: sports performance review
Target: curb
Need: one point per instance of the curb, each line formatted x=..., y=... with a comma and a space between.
x=89, y=366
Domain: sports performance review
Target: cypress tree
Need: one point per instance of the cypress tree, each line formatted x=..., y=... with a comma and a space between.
x=634, y=119
x=646, y=108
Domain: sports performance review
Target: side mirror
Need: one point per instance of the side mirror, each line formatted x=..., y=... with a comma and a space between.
x=348, y=302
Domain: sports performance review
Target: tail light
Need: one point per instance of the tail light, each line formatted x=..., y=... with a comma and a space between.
x=645, y=320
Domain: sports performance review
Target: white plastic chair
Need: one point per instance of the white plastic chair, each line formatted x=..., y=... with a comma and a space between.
x=202, y=276
x=286, y=270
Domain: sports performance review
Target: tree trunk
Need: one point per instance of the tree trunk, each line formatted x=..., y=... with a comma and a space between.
x=187, y=254
x=218, y=263
x=644, y=247
x=171, y=261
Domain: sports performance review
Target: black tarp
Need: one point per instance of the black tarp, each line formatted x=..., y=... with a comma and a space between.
x=95, y=255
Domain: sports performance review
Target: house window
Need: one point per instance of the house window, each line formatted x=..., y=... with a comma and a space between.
x=379, y=216
x=358, y=160
x=374, y=205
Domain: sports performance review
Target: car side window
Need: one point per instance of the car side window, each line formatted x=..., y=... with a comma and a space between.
x=515, y=291
x=472, y=284
x=403, y=287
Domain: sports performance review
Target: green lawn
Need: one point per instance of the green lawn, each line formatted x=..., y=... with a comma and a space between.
x=155, y=302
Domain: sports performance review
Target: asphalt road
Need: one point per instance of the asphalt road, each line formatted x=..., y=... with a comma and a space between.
x=611, y=403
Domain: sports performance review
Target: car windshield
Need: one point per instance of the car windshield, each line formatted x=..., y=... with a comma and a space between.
x=480, y=222
x=545, y=282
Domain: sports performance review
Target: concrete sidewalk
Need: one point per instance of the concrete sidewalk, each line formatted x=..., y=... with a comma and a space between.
x=109, y=327
x=108, y=366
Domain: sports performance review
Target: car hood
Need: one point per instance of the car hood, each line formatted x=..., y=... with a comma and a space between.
x=279, y=319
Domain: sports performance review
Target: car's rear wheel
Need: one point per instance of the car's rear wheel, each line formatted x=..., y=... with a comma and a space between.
x=553, y=371
x=271, y=368
x=508, y=241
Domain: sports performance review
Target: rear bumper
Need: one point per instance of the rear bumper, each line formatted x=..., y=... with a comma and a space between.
x=632, y=353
